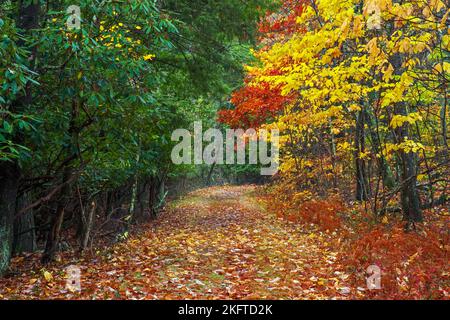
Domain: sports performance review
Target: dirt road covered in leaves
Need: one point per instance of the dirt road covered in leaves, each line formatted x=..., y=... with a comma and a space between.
x=216, y=243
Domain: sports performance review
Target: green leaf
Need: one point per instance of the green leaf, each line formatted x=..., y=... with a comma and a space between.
x=7, y=127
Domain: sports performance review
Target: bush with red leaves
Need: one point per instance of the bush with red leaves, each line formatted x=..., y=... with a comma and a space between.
x=414, y=265
x=323, y=213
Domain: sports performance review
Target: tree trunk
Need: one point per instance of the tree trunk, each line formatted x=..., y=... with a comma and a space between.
x=156, y=195
x=162, y=192
x=53, y=236
x=383, y=168
x=409, y=195
x=152, y=197
x=211, y=171
x=27, y=19
x=9, y=182
x=142, y=201
x=408, y=165
x=362, y=184
x=51, y=246
x=333, y=154
x=24, y=228
x=87, y=226
x=109, y=203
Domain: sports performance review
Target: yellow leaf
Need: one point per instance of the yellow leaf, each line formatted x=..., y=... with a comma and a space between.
x=388, y=72
x=149, y=57
x=48, y=276
x=335, y=131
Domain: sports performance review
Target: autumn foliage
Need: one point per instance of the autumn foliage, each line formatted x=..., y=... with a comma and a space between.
x=259, y=102
x=278, y=25
x=324, y=213
x=256, y=105
x=359, y=93
x=413, y=265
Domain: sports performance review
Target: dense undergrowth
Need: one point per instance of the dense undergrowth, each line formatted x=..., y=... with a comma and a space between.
x=414, y=264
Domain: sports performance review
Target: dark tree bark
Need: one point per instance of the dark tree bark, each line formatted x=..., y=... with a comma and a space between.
x=53, y=236
x=88, y=219
x=24, y=227
x=408, y=164
x=211, y=171
x=9, y=182
x=362, y=182
x=383, y=167
x=156, y=194
x=142, y=199
x=152, y=196
x=409, y=195
x=10, y=173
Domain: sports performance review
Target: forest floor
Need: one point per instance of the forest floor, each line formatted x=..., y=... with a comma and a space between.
x=215, y=243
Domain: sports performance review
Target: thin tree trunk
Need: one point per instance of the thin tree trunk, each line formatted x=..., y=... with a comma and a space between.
x=362, y=183
x=211, y=171
x=152, y=197
x=408, y=174
x=409, y=195
x=53, y=236
x=87, y=227
x=383, y=168
x=333, y=154
x=135, y=186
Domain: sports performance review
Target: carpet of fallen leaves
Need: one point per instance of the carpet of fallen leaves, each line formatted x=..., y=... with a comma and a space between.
x=215, y=243
x=413, y=264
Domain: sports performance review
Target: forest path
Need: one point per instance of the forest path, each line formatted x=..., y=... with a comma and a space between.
x=215, y=243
